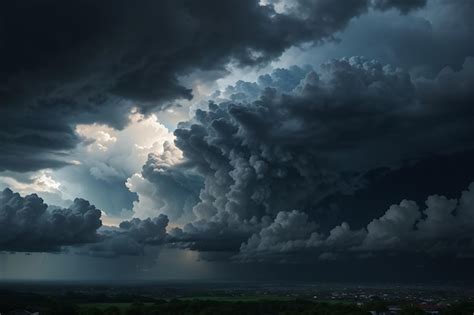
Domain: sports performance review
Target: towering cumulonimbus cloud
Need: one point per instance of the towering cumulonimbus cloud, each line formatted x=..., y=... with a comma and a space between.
x=27, y=225
x=92, y=61
x=260, y=157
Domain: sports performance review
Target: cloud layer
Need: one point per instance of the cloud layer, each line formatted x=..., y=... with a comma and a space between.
x=444, y=226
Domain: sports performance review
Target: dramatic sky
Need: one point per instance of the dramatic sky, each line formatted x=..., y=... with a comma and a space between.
x=237, y=140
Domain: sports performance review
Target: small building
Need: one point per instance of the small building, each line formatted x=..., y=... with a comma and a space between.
x=430, y=309
x=394, y=309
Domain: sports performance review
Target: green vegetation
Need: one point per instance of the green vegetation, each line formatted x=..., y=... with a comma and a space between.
x=77, y=304
x=412, y=310
x=463, y=308
x=204, y=307
x=103, y=306
x=239, y=298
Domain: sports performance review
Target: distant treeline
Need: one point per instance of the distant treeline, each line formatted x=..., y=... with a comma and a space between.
x=96, y=305
x=305, y=307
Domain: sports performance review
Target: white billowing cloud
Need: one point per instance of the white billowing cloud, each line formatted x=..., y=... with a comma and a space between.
x=147, y=195
x=101, y=136
x=40, y=182
x=394, y=227
x=105, y=159
x=167, y=194
x=108, y=157
x=118, y=153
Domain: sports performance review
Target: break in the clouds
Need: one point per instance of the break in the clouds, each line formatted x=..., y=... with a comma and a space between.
x=103, y=162
x=64, y=64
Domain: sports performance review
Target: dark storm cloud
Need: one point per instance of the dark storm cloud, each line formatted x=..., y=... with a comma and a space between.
x=129, y=239
x=35, y=138
x=424, y=42
x=27, y=225
x=444, y=226
x=282, y=80
x=89, y=61
x=443, y=174
x=402, y=5
x=288, y=151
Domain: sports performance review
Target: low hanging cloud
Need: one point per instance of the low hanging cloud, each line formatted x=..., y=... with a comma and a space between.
x=444, y=226
x=129, y=239
x=26, y=224
x=130, y=55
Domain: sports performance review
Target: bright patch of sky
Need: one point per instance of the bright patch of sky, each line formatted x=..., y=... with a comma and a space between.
x=106, y=159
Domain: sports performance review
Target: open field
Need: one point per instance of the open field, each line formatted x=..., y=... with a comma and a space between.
x=242, y=298
x=103, y=306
